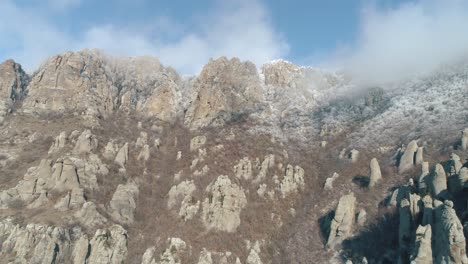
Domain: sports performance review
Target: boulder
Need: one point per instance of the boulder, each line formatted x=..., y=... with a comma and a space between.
x=342, y=223
x=375, y=174
x=362, y=217
x=142, y=139
x=222, y=207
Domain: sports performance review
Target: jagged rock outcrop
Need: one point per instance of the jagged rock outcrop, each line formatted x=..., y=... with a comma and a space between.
x=222, y=207
x=13, y=83
x=280, y=73
x=36, y=243
x=108, y=246
x=181, y=196
x=89, y=216
x=450, y=244
x=268, y=162
x=142, y=139
x=407, y=159
x=40, y=201
x=171, y=255
x=343, y=220
x=224, y=91
x=439, y=181
x=73, y=200
x=423, y=180
x=110, y=150
x=375, y=174
x=422, y=253
x=293, y=180
x=59, y=142
x=122, y=156
x=254, y=257
x=74, y=81
x=86, y=143
x=123, y=203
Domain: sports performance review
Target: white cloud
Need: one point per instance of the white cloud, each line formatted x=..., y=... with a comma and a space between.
x=414, y=38
x=233, y=28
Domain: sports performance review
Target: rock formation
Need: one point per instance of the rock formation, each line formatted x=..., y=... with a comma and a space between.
x=293, y=180
x=13, y=83
x=222, y=207
x=329, y=181
x=342, y=223
x=123, y=203
x=375, y=174
x=181, y=196
x=439, y=181
x=423, y=249
x=407, y=158
x=224, y=90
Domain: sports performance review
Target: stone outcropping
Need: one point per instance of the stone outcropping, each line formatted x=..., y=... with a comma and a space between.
x=181, y=196
x=407, y=158
x=224, y=91
x=13, y=83
x=123, y=203
x=222, y=207
x=375, y=174
x=36, y=243
x=342, y=223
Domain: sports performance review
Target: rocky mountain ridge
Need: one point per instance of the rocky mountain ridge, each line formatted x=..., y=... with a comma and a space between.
x=121, y=160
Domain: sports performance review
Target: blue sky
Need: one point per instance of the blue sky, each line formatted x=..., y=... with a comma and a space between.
x=186, y=34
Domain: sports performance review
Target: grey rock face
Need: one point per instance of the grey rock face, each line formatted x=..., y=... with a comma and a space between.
x=450, y=244
x=224, y=90
x=375, y=174
x=36, y=243
x=439, y=181
x=407, y=159
x=13, y=83
x=123, y=203
x=221, y=210
x=343, y=221
x=423, y=249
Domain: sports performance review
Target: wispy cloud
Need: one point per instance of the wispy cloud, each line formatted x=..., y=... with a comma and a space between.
x=233, y=28
x=413, y=38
